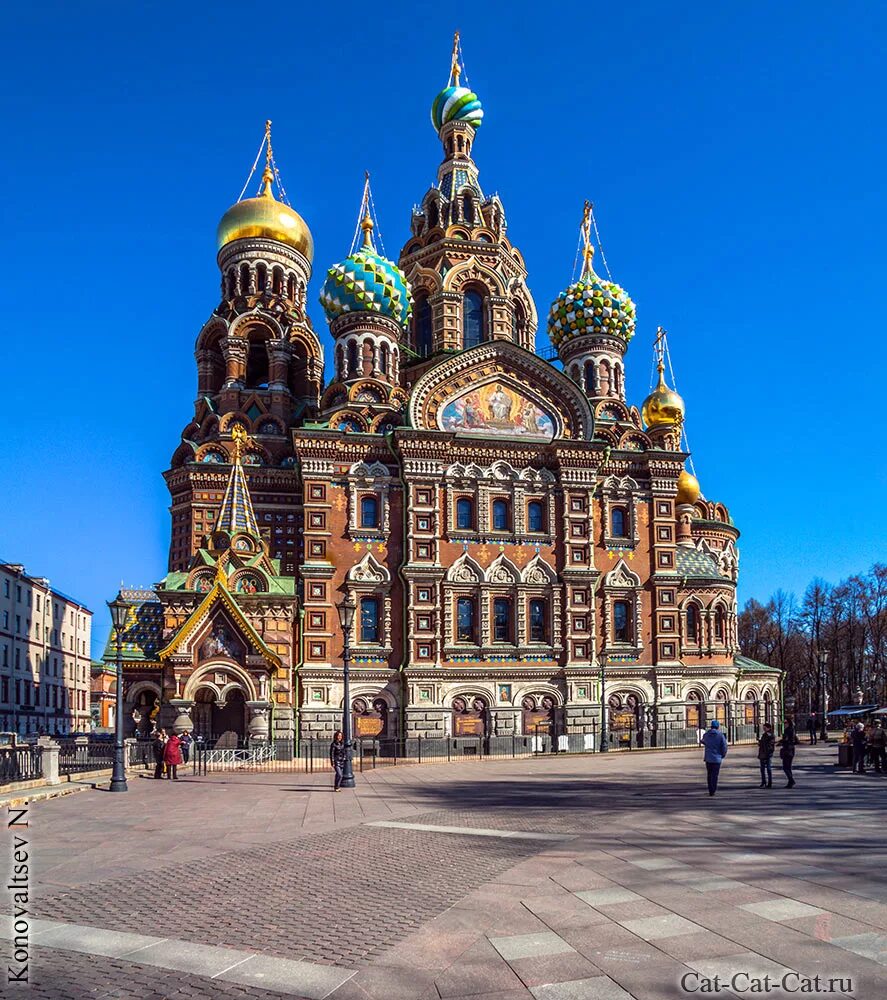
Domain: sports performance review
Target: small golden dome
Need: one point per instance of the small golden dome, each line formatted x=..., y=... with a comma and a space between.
x=688, y=488
x=266, y=217
x=663, y=407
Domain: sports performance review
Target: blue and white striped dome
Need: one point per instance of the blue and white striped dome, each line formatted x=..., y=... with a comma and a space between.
x=456, y=104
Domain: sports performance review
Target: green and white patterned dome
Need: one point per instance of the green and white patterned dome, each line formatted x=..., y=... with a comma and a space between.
x=454, y=104
x=591, y=305
x=367, y=282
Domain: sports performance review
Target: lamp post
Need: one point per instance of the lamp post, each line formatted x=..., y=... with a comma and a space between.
x=347, y=608
x=119, y=612
x=604, y=745
x=823, y=660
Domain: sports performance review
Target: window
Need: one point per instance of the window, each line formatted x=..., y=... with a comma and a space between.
x=369, y=512
x=621, y=621
x=619, y=522
x=590, y=378
x=6, y=619
x=501, y=619
x=535, y=516
x=423, y=330
x=18, y=592
x=384, y=356
x=538, y=620
x=501, y=519
x=465, y=620
x=5, y=655
x=719, y=624
x=465, y=514
x=6, y=587
x=692, y=624
x=472, y=320
x=369, y=619
x=352, y=359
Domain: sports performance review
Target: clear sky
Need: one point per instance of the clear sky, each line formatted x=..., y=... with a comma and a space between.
x=735, y=154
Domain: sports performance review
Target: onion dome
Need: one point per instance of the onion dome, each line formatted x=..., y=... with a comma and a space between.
x=367, y=282
x=456, y=104
x=591, y=305
x=663, y=407
x=688, y=488
x=268, y=218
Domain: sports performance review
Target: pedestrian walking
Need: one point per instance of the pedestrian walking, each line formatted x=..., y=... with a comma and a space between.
x=157, y=746
x=185, y=741
x=787, y=751
x=811, y=727
x=715, y=744
x=766, y=746
x=878, y=747
x=338, y=756
x=172, y=756
x=858, y=744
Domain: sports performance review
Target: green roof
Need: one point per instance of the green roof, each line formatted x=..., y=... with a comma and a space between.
x=752, y=665
x=696, y=564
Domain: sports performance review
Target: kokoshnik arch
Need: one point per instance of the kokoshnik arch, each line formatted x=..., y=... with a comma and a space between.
x=503, y=525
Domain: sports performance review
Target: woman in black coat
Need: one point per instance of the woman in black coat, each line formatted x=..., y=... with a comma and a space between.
x=158, y=745
x=787, y=751
x=338, y=756
x=766, y=745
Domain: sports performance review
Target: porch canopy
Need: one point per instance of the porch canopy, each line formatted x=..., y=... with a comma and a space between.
x=854, y=710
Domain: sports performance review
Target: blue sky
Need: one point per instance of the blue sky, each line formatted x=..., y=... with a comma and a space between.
x=734, y=152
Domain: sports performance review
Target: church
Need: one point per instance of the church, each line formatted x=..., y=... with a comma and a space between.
x=513, y=531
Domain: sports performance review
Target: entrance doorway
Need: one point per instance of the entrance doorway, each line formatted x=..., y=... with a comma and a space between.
x=219, y=724
x=538, y=715
x=469, y=718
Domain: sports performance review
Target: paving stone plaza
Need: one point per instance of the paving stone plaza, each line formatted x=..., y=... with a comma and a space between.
x=559, y=878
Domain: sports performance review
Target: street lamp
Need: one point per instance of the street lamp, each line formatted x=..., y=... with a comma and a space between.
x=347, y=607
x=119, y=614
x=604, y=746
x=823, y=660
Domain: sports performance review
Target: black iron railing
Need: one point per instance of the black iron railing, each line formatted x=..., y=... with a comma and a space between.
x=79, y=755
x=20, y=763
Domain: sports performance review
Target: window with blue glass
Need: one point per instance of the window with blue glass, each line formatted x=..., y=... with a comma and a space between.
x=465, y=514
x=422, y=320
x=621, y=621
x=369, y=619
x=619, y=522
x=472, y=319
x=538, y=620
x=535, y=516
x=501, y=515
x=369, y=512
x=501, y=619
x=465, y=620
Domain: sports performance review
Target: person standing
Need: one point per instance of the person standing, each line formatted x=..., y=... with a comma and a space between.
x=878, y=746
x=185, y=741
x=157, y=747
x=787, y=751
x=338, y=755
x=811, y=727
x=766, y=746
x=715, y=744
x=858, y=744
x=172, y=756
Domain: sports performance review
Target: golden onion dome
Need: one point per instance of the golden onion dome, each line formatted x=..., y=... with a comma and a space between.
x=688, y=488
x=268, y=218
x=663, y=407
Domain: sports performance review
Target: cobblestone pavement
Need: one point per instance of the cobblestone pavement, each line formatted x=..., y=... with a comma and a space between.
x=656, y=880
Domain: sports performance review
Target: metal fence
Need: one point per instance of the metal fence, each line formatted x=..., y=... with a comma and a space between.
x=79, y=755
x=20, y=763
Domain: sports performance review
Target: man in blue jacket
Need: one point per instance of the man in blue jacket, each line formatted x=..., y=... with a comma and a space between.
x=715, y=744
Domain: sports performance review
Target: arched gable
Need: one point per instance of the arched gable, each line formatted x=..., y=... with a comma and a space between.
x=465, y=570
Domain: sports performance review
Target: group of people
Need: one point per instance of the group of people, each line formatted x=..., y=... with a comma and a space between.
x=868, y=743
x=715, y=745
x=170, y=750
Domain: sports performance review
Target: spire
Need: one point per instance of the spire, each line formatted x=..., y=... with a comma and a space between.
x=659, y=351
x=455, y=68
x=268, y=172
x=237, y=512
x=588, y=246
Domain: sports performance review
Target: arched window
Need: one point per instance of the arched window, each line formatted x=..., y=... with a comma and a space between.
x=433, y=216
x=369, y=512
x=353, y=371
x=244, y=279
x=257, y=365
x=695, y=718
x=575, y=372
x=422, y=326
x=291, y=287
x=465, y=514
x=751, y=704
x=340, y=361
x=501, y=515
x=721, y=708
x=619, y=522
x=535, y=516
x=468, y=208
x=232, y=283
x=502, y=619
x=622, y=631
x=472, y=319
x=538, y=620
x=692, y=623
x=261, y=277
x=384, y=358
x=277, y=280
x=719, y=624
x=617, y=378
x=465, y=620
x=518, y=323
x=369, y=619
x=590, y=378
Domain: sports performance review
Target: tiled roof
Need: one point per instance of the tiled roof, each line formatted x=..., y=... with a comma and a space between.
x=693, y=563
x=748, y=664
x=237, y=512
x=144, y=628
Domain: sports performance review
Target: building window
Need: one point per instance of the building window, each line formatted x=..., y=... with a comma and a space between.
x=352, y=359
x=423, y=329
x=501, y=619
x=472, y=320
x=719, y=624
x=369, y=619
x=538, y=620
x=590, y=378
x=464, y=514
x=369, y=512
x=501, y=518
x=692, y=624
x=621, y=621
x=619, y=522
x=535, y=516
x=465, y=620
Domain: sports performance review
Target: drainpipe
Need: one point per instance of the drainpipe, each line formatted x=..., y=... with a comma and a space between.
x=405, y=604
x=300, y=662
